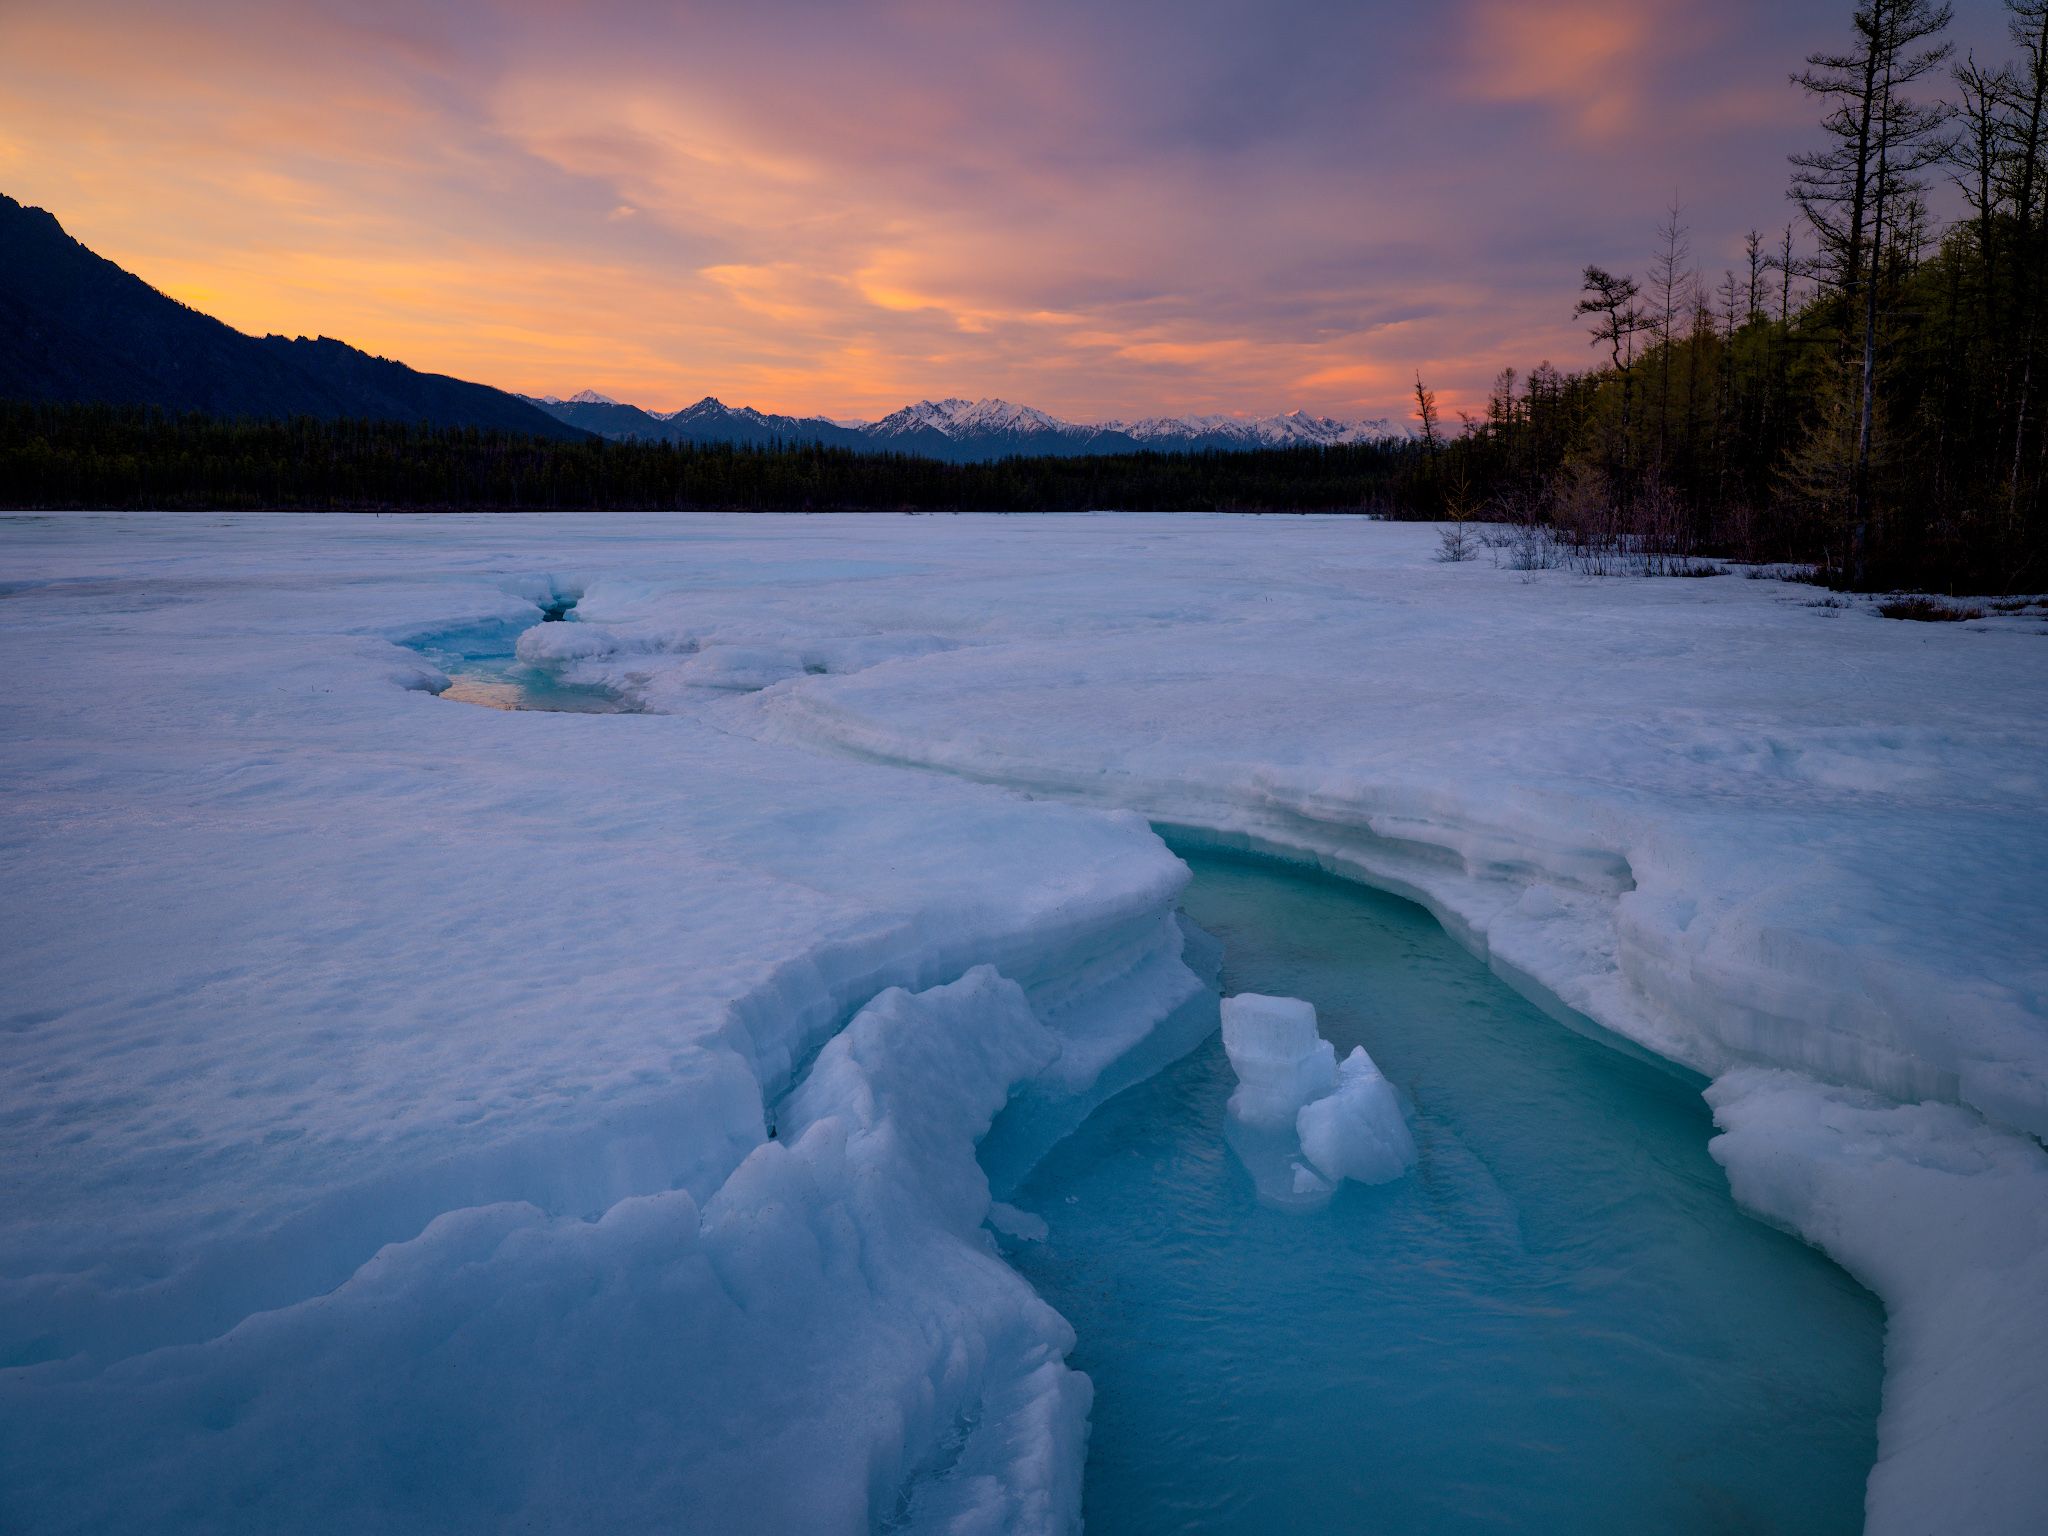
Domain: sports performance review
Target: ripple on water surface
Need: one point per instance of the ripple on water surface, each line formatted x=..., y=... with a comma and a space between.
x=1558, y=1323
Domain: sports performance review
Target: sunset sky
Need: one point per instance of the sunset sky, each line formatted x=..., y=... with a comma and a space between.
x=1099, y=209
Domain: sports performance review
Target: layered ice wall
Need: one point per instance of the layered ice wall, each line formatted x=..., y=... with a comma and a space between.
x=415, y=1117
x=825, y=1344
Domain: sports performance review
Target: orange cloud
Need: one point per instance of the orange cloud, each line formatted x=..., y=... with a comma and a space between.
x=1589, y=60
x=876, y=204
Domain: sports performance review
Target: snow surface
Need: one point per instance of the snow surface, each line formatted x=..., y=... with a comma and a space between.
x=387, y=1085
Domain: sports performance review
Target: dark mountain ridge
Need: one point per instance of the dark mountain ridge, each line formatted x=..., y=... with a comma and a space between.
x=74, y=327
x=708, y=421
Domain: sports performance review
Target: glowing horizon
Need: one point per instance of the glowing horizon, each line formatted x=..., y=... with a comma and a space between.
x=825, y=210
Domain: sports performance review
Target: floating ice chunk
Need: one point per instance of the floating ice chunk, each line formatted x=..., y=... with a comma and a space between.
x=1308, y=1182
x=1022, y=1225
x=1358, y=1132
x=1280, y=1060
x=1298, y=1123
x=1272, y=1156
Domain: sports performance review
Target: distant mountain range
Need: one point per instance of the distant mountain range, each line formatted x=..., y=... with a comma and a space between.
x=75, y=327
x=959, y=430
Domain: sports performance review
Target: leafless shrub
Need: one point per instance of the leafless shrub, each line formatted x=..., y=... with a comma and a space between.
x=1535, y=547
x=1456, y=543
x=1929, y=610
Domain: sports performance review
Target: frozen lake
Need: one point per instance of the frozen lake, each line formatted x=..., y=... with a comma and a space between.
x=428, y=1118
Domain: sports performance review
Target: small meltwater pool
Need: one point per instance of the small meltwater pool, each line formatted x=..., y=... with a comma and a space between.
x=484, y=668
x=1558, y=1322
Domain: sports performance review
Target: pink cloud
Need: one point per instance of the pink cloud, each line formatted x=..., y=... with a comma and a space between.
x=1102, y=210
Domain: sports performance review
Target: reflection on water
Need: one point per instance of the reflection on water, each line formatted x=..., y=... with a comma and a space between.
x=1559, y=1322
x=475, y=690
x=483, y=668
x=505, y=684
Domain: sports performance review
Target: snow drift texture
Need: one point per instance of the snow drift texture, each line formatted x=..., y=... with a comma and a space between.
x=387, y=1085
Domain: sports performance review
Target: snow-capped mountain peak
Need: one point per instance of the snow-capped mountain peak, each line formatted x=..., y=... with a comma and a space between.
x=1001, y=416
x=926, y=416
x=1295, y=429
x=710, y=408
x=581, y=397
x=709, y=405
x=956, y=428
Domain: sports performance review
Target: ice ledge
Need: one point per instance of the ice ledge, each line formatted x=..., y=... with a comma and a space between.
x=1104, y=966
x=1947, y=1220
x=1621, y=918
x=827, y=1343
x=1605, y=942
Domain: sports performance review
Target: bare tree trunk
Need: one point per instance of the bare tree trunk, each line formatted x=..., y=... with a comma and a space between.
x=2024, y=275
x=1859, y=482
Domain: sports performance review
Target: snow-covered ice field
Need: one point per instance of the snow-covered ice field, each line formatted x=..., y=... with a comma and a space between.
x=387, y=1085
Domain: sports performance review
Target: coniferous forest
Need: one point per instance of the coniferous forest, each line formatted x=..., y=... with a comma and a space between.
x=1866, y=391
x=121, y=457
x=1863, y=392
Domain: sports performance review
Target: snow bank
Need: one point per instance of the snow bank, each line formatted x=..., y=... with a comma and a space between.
x=505, y=1368
x=422, y=1117
x=1948, y=1221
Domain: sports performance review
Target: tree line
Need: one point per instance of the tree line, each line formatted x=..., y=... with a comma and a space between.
x=1864, y=392
x=133, y=458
